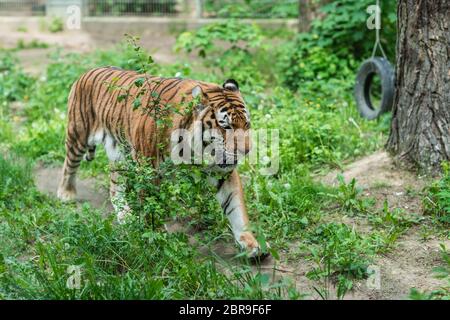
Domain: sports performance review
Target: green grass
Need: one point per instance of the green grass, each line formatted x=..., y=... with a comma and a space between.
x=42, y=238
x=44, y=241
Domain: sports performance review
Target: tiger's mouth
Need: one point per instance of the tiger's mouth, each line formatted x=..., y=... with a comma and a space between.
x=227, y=161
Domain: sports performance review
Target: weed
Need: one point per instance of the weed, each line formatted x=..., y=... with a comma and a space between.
x=437, y=199
x=443, y=273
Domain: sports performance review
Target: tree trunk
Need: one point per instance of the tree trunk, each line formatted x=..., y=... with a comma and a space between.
x=420, y=129
x=304, y=16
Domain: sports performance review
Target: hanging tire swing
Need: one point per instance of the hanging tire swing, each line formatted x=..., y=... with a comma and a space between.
x=373, y=66
x=364, y=81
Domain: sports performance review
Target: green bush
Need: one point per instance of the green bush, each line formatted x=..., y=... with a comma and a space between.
x=15, y=85
x=344, y=31
x=305, y=63
x=335, y=46
x=56, y=25
x=231, y=49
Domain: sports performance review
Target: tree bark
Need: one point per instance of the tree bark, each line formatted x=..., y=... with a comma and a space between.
x=304, y=16
x=420, y=129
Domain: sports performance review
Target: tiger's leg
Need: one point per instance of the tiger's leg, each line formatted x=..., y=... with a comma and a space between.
x=90, y=154
x=117, y=187
x=117, y=196
x=231, y=198
x=75, y=151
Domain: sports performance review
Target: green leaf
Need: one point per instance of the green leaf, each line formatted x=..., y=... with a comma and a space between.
x=139, y=82
x=137, y=103
x=122, y=97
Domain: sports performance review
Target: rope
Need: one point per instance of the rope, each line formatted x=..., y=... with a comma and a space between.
x=377, y=39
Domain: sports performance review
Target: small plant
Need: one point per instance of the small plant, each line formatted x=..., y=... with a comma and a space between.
x=437, y=199
x=341, y=255
x=440, y=273
x=56, y=25
x=348, y=196
x=228, y=48
x=33, y=44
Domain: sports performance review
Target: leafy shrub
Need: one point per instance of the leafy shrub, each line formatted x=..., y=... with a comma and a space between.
x=314, y=130
x=303, y=62
x=229, y=48
x=56, y=25
x=336, y=42
x=175, y=191
x=14, y=83
x=344, y=31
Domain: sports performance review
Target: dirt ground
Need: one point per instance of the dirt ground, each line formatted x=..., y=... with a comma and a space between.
x=410, y=264
x=35, y=60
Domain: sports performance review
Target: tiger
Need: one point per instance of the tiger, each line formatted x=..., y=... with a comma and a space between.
x=96, y=116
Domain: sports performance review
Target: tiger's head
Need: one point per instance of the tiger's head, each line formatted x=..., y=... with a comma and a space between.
x=222, y=124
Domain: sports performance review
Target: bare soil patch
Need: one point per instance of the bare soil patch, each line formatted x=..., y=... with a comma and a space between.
x=410, y=263
x=380, y=178
x=88, y=190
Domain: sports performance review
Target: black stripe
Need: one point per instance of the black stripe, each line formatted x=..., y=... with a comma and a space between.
x=116, y=100
x=93, y=86
x=227, y=202
x=74, y=166
x=220, y=183
x=72, y=110
x=228, y=213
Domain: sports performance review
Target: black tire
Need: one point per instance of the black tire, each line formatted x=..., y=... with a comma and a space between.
x=367, y=71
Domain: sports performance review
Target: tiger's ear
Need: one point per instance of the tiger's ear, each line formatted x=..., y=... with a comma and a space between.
x=231, y=85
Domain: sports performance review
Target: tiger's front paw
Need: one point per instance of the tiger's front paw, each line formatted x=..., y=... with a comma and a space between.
x=66, y=195
x=254, y=252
